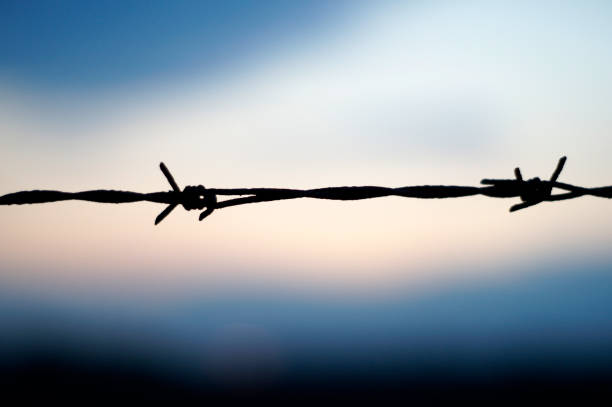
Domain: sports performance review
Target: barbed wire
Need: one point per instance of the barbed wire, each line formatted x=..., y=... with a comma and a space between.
x=531, y=192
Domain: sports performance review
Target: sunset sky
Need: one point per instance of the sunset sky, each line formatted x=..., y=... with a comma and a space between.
x=304, y=95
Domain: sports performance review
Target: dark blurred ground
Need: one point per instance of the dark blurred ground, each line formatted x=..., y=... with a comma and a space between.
x=57, y=378
x=544, y=336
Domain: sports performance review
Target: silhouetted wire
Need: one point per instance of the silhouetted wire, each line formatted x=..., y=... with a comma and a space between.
x=531, y=192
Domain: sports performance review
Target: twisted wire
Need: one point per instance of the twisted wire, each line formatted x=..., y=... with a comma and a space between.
x=531, y=192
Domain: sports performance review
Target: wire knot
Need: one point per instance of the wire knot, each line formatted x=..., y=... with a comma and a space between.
x=192, y=197
x=196, y=197
x=535, y=190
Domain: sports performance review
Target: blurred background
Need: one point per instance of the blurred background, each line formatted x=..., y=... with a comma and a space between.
x=306, y=294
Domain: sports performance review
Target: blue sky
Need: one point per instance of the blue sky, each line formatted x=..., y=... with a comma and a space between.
x=309, y=94
x=79, y=44
x=302, y=95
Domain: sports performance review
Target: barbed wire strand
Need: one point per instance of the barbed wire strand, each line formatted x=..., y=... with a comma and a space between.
x=531, y=192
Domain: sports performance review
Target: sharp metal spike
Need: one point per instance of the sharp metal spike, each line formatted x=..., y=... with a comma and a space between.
x=207, y=212
x=558, y=170
x=517, y=174
x=165, y=213
x=169, y=177
x=523, y=205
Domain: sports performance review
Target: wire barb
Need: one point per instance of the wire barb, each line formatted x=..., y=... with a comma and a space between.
x=192, y=197
x=536, y=190
x=169, y=177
